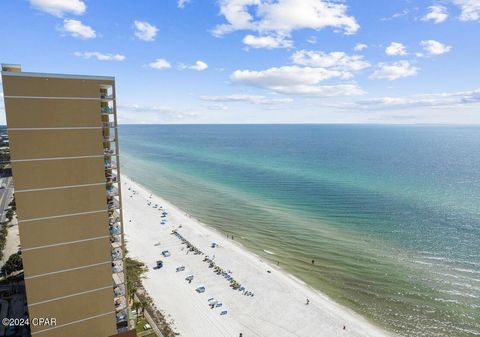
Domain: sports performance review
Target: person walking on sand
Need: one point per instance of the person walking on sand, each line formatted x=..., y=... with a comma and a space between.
x=308, y=301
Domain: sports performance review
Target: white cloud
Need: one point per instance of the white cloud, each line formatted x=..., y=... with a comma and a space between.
x=77, y=29
x=360, y=47
x=400, y=14
x=253, y=99
x=182, y=3
x=437, y=14
x=198, y=66
x=394, y=70
x=60, y=7
x=284, y=16
x=296, y=80
x=100, y=56
x=470, y=9
x=422, y=100
x=396, y=48
x=335, y=60
x=312, y=40
x=433, y=47
x=217, y=107
x=268, y=41
x=145, y=31
x=160, y=64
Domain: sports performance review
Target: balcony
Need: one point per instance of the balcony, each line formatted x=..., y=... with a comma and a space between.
x=117, y=267
x=108, y=152
x=115, y=229
x=112, y=191
x=111, y=179
x=108, y=125
x=106, y=96
x=108, y=139
x=121, y=316
x=118, y=277
x=113, y=204
x=115, y=241
x=119, y=290
x=113, y=217
x=120, y=303
x=110, y=165
x=106, y=110
x=117, y=254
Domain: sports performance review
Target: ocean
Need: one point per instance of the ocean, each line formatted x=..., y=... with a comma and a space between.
x=383, y=219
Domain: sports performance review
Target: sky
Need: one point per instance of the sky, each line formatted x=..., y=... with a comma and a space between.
x=260, y=61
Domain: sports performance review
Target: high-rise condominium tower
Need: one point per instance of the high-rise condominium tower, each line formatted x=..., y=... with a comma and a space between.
x=64, y=155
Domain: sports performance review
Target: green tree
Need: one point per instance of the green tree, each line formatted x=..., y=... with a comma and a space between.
x=9, y=214
x=137, y=306
x=14, y=263
x=135, y=272
x=13, y=204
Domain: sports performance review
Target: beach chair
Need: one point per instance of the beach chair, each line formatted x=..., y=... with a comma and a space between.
x=166, y=253
x=158, y=265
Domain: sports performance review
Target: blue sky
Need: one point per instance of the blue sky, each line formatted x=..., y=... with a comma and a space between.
x=261, y=61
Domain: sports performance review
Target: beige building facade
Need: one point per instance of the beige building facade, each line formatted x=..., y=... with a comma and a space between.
x=64, y=155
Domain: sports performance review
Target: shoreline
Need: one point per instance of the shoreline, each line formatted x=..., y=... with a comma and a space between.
x=279, y=305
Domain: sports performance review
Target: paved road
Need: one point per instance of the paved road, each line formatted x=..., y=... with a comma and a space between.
x=5, y=195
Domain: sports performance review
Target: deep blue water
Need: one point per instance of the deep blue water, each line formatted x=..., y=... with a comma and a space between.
x=390, y=214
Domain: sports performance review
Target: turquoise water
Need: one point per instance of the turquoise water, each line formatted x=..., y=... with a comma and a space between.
x=390, y=214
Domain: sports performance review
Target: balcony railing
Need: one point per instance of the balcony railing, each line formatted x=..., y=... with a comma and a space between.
x=106, y=96
x=106, y=110
x=108, y=139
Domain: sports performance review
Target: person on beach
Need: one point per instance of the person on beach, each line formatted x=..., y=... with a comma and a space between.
x=313, y=261
x=308, y=302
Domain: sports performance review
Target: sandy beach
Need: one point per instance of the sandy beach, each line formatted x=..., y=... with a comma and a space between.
x=272, y=303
